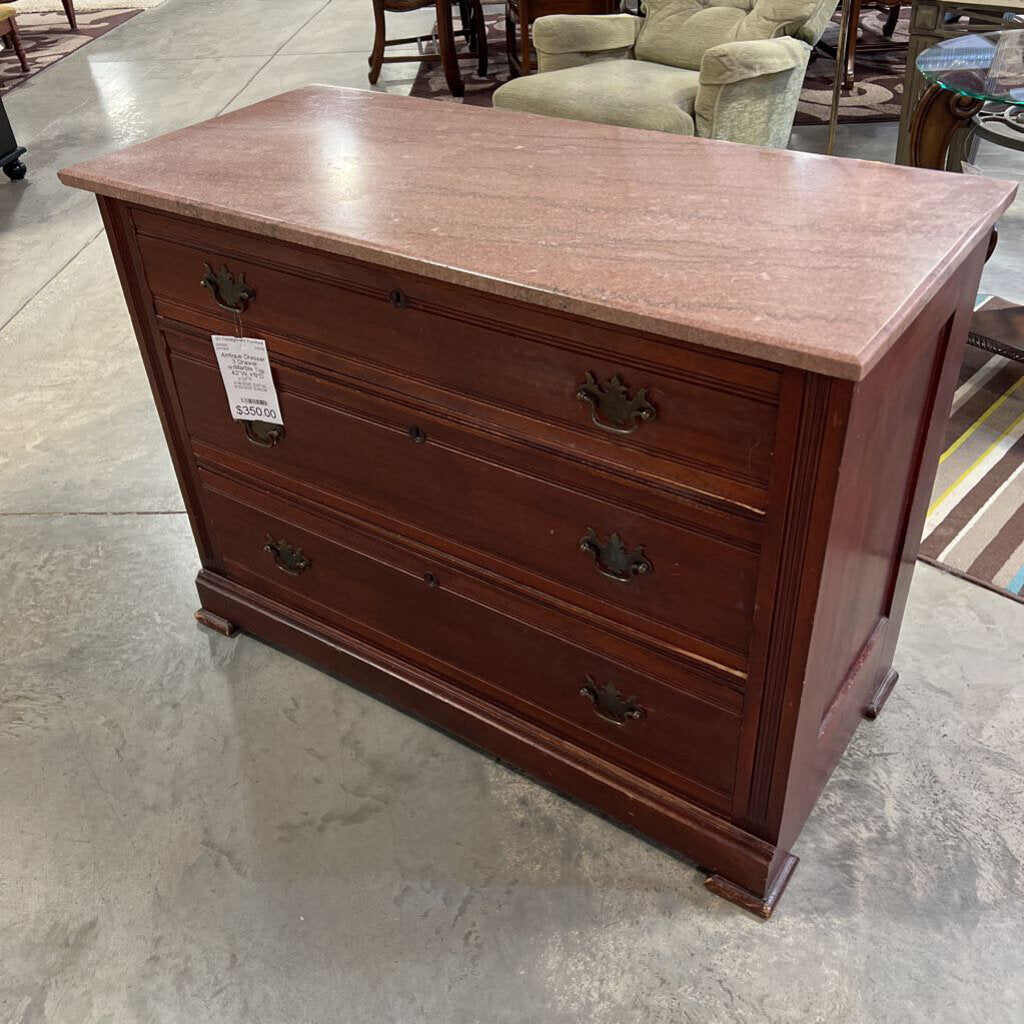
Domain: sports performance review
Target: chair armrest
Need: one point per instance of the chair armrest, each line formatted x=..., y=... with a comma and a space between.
x=748, y=90
x=568, y=40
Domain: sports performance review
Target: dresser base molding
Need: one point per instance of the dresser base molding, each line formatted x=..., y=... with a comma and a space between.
x=746, y=862
x=763, y=906
x=215, y=622
x=874, y=706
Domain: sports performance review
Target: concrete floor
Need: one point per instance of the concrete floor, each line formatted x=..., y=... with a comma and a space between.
x=199, y=830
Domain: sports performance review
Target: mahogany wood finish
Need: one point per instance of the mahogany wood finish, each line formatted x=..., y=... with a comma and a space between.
x=433, y=521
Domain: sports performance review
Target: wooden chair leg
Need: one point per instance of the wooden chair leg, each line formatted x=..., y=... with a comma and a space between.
x=69, y=10
x=11, y=35
x=376, y=58
x=524, y=37
x=510, y=39
x=466, y=24
x=480, y=36
x=891, y=21
x=446, y=43
x=851, y=45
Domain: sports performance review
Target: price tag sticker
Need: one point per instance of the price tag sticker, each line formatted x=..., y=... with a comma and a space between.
x=245, y=370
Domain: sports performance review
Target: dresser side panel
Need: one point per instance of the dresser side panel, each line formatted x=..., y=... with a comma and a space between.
x=886, y=472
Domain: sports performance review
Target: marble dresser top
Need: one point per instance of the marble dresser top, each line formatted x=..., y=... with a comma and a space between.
x=809, y=261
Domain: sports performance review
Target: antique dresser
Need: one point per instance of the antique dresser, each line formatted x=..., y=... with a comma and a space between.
x=597, y=448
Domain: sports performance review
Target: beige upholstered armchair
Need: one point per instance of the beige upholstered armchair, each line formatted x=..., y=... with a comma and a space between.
x=720, y=69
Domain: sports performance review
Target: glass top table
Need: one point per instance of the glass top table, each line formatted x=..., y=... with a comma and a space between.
x=985, y=66
x=988, y=70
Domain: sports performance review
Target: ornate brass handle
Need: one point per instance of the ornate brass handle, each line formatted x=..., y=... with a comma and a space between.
x=610, y=705
x=263, y=434
x=290, y=560
x=612, y=559
x=612, y=408
x=228, y=292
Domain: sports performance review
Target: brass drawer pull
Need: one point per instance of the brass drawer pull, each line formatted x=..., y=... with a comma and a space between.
x=612, y=559
x=290, y=560
x=610, y=705
x=229, y=293
x=611, y=406
x=263, y=434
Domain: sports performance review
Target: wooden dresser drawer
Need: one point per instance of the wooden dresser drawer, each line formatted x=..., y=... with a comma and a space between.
x=434, y=617
x=688, y=574
x=677, y=413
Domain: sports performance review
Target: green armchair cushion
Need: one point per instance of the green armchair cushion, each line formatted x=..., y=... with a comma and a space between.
x=678, y=32
x=732, y=62
x=585, y=33
x=631, y=93
x=749, y=90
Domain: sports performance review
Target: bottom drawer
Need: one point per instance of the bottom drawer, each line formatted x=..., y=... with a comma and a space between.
x=420, y=610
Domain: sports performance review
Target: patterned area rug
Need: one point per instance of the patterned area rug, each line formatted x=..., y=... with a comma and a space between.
x=47, y=38
x=877, y=92
x=876, y=96
x=975, y=525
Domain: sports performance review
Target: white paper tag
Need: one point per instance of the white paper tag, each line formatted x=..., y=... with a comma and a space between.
x=245, y=370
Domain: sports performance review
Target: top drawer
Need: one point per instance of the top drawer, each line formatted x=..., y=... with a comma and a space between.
x=679, y=414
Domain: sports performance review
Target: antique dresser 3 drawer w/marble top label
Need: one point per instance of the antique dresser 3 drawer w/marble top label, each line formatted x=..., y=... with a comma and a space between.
x=596, y=450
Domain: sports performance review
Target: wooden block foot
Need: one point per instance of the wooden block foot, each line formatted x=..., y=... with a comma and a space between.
x=216, y=623
x=762, y=906
x=881, y=695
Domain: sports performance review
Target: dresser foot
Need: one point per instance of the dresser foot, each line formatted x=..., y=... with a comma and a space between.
x=874, y=706
x=763, y=906
x=216, y=623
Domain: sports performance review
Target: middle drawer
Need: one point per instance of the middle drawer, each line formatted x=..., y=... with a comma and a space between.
x=675, y=571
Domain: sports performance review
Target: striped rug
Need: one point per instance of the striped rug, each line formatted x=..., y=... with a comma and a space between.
x=975, y=524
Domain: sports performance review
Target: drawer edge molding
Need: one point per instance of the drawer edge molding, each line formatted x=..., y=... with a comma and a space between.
x=700, y=498
x=416, y=409
x=770, y=397
x=356, y=629
x=697, y=833
x=715, y=672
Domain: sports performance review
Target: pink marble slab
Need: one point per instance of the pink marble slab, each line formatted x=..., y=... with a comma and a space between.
x=809, y=261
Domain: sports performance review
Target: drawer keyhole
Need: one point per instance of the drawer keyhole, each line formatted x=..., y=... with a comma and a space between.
x=417, y=435
x=397, y=298
x=431, y=580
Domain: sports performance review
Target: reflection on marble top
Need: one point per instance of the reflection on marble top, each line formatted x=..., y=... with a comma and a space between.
x=810, y=261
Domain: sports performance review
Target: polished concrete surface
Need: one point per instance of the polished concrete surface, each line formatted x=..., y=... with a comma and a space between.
x=199, y=830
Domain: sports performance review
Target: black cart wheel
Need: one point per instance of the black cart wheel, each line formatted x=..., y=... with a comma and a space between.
x=16, y=170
